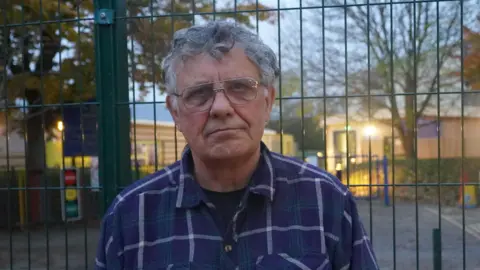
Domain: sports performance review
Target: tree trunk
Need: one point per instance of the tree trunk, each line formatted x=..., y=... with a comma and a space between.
x=408, y=143
x=407, y=133
x=35, y=158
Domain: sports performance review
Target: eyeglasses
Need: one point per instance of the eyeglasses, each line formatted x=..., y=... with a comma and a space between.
x=238, y=91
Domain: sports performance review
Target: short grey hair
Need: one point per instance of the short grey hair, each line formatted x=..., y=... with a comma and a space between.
x=217, y=38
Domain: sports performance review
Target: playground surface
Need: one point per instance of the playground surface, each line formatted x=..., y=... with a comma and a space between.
x=409, y=237
x=81, y=241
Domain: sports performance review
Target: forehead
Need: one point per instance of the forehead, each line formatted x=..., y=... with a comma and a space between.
x=204, y=68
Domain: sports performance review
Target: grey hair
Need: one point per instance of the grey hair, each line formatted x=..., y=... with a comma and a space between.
x=217, y=38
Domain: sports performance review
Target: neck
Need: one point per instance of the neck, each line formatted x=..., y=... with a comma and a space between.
x=225, y=176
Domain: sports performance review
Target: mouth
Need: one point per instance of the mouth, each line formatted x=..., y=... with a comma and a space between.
x=223, y=130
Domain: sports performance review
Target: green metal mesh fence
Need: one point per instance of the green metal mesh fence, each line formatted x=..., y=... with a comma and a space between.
x=385, y=94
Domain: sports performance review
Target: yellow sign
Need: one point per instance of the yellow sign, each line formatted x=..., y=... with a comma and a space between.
x=70, y=194
x=470, y=197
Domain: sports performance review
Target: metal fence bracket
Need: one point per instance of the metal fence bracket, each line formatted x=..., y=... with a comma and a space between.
x=104, y=16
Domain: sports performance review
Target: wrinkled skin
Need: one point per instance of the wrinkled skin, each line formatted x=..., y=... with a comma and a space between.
x=226, y=133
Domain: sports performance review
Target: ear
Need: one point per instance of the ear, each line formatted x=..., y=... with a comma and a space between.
x=269, y=100
x=172, y=107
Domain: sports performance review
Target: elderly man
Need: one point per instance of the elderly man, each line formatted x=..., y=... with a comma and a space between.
x=230, y=203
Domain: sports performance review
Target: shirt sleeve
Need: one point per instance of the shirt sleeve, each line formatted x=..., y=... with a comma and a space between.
x=354, y=250
x=110, y=244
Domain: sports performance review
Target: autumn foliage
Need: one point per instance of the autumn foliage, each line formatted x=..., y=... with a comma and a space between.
x=47, y=54
x=471, y=60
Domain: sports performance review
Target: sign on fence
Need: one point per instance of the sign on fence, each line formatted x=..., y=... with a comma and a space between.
x=80, y=131
x=94, y=181
x=70, y=194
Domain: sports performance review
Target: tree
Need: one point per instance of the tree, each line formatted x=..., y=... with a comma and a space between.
x=310, y=135
x=44, y=63
x=471, y=61
x=300, y=120
x=390, y=60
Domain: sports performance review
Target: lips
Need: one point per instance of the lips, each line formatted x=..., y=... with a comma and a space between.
x=222, y=129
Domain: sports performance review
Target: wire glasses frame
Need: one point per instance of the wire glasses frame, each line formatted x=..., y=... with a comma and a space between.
x=238, y=91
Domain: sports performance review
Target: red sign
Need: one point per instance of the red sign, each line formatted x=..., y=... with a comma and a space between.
x=70, y=177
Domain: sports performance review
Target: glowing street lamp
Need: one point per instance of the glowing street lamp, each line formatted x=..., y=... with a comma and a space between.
x=370, y=130
x=60, y=126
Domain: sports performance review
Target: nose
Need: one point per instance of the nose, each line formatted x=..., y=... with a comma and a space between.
x=221, y=106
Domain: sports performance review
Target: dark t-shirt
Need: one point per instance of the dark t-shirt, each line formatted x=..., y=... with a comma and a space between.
x=226, y=204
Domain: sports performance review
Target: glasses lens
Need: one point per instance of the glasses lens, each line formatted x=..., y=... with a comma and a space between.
x=241, y=91
x=198, y=97
x=238, y=91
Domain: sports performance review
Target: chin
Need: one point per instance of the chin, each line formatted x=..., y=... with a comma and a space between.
x=230, y=149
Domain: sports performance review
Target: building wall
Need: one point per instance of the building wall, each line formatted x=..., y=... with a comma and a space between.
x=166, y=143
x=163, y=146
x=428, y=144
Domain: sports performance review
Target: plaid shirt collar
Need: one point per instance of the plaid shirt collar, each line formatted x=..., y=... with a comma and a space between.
x=190, y=193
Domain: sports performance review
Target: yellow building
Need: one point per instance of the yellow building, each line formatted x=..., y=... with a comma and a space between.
x=165, y=147
x=375, y=138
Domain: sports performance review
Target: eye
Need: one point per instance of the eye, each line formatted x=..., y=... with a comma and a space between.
x=197, y=95
x=239, y=85
x=197, y=91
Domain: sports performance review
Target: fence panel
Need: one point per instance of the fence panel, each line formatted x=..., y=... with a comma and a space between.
x=384, y=94
x=48, y=100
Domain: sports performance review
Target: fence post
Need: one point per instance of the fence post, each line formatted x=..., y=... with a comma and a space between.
x=437, y=249
x=377, y=175
x=112, y=89
x=385, y=181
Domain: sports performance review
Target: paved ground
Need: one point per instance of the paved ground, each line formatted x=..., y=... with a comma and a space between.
x=81, y=245
x=406, y=241
x=76, y=242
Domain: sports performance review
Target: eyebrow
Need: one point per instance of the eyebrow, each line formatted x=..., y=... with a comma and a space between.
x=195, y=83
x=199, y=82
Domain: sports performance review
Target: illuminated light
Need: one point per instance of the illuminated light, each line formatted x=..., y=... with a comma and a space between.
x=60, y=125
x=319, y=154
x=370, y=130
x=338, y=167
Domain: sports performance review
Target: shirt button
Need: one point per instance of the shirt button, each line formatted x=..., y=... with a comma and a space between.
x=228, y=248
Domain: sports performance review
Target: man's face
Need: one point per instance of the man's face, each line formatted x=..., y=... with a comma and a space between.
x=224, y=130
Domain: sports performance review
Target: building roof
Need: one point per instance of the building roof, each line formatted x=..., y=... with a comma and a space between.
x=150, y=111
x=468, y=112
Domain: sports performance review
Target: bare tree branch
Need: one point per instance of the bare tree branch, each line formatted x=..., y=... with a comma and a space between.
x=401, y=43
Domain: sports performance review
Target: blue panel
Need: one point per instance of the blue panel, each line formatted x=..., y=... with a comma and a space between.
x=78, y=121
x=426, y=128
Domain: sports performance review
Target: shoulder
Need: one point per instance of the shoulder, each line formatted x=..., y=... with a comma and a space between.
x=293, y=171
x=160, y=183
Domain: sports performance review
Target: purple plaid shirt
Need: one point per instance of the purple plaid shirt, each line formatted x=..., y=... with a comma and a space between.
x=294, y=216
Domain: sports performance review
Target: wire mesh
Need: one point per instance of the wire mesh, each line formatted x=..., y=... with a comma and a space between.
x=384, y=94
